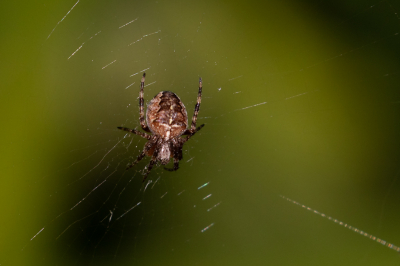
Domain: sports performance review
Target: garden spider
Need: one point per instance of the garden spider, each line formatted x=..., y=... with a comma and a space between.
x=167, y=121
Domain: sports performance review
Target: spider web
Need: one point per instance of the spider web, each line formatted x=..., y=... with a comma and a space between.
x=300, y=102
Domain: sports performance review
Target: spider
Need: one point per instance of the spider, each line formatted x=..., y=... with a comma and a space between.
x=167, y=121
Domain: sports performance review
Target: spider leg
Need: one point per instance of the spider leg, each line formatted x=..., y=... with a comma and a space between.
x=147, y=147
x=140, y=157
x=176, y=165
x=196, y=108
x=189, y=133
x=134, y=131
x=152, y=161
x=141, y=105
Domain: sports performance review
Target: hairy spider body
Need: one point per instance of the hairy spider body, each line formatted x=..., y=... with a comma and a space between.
x=167, y=121
x=166, y=115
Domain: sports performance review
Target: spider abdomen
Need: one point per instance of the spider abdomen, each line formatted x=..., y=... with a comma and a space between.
x=166, y=115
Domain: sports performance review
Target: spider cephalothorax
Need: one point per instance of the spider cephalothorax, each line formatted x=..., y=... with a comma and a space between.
x=167, y=121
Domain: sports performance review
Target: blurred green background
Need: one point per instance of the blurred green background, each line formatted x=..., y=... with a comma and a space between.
x=300, y=99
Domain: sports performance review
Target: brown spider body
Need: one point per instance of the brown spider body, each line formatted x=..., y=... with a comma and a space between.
x=167, y=120
x=166, y=115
